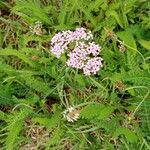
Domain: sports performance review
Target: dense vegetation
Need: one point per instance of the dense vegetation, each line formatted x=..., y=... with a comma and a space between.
x=36, y=87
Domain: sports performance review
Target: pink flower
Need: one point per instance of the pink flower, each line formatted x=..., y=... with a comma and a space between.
x=81, y=33
x=94, y=49
x=92, y=66
x=84, y=55
x=78, y=56
x=60, y=41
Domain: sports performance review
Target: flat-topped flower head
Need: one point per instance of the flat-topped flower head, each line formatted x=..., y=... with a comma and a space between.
x=94, y=49
x=83, y=55
x=92, y=66
x=36, y=28
x=71, y=114
x=81, y=33
x=61, y=40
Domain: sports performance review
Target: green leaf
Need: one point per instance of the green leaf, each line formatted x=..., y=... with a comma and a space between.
x=37, y=84
x=105, y=112
x=87, y=13
x=2, y=115
x=99, y=111
x=94, y=5
x=63, y=14
x=80, y=81
x=117, y=17
x=130, y=135
x=128, y=39
x=145, y=44
x=8, y=52
x=108, y=125
x=55, y=137
x=6, y=95
x=48, y=122
x=15, y=125
x=32, y=9
x=91, y=111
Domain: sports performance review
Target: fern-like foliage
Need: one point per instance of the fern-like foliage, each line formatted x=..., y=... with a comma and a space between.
x=6, y=95
x=49, y=122
x=15, y=122
x=138, y=80
x=8, y=52
x=98, y=111
x=131, y=136
x=32, y=10
x=36, y=84
x=144, y=114
x=91, y=111
x=55, y=139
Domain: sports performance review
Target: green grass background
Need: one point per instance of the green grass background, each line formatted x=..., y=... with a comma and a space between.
x=36, y=87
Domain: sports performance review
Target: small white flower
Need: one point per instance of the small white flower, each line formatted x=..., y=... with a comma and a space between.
x=71, y=114
x=36, y=28
x=121, y=47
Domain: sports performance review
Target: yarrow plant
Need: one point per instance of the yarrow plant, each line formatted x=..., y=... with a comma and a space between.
x=71, y=114
x=36, y=28
x=92, y=66
x=84, y=55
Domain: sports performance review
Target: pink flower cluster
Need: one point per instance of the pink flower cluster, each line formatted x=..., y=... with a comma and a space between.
x=84, y=55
